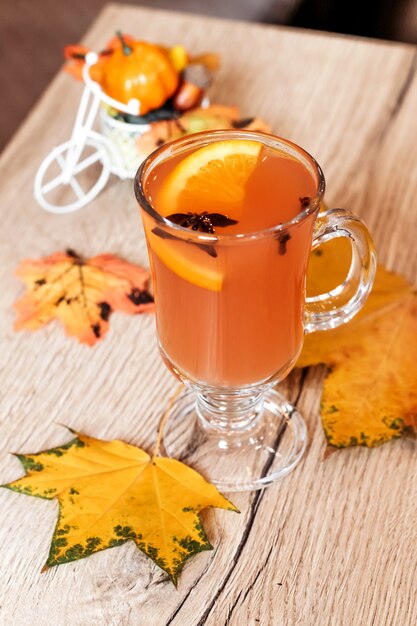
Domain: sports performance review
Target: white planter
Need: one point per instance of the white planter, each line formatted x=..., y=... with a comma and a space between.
x=124, y=138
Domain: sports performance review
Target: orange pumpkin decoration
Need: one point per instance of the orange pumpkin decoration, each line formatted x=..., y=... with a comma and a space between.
x=139, y=70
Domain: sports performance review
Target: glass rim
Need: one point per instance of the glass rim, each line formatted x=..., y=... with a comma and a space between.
x=183, y=144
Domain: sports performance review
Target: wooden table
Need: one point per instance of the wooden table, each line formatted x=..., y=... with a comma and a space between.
x=332, y=544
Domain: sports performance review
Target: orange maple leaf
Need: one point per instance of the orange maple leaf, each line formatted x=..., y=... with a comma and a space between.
x=80, y=293
x=75, y=58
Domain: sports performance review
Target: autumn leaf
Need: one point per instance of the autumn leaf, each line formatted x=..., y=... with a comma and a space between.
x=110, y=492
x=370, y=392
x=75, y=58
x=81, y=294
x=214, y=117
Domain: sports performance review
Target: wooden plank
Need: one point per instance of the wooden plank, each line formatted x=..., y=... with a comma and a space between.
x=332, y=543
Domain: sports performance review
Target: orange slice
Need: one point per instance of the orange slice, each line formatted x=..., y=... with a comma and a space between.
x=187, y=260
x=210, y=179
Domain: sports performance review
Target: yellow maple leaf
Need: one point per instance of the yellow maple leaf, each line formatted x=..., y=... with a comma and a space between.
x=81, y=294
x=110, y=492
x=370, y=393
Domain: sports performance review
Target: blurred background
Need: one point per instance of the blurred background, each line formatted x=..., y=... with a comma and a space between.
x=33, y=33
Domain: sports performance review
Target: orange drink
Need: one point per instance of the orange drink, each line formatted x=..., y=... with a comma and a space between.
x=230, y=219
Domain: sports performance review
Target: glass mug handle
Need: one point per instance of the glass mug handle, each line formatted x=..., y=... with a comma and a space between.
x=339, y=305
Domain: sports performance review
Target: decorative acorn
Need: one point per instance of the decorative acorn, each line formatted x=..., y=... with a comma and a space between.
x=196, y=79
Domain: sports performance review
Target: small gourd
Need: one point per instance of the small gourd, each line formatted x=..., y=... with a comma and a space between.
x=139, y=70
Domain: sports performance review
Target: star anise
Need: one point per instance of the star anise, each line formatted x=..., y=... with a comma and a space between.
x=204, y=222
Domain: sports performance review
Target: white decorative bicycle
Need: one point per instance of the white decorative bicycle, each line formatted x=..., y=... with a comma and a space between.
x=57, y=188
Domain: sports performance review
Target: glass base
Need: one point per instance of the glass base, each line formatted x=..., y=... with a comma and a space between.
x=251, y=458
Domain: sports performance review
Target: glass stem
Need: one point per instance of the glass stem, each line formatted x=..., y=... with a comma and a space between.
x=232, y=412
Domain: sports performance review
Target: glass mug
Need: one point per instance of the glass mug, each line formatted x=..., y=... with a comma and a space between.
x=231, y=314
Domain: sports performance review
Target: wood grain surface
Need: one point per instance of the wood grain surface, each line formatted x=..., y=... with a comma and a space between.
x=335, y=542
